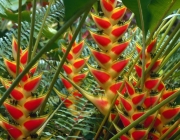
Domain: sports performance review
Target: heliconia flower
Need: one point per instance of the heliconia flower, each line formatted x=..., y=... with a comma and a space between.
x=22, y=102
x=113, y=90
x=168, y=93
x=118, y=31
x=155, y=66
x=139, y=134
x=151, y=101
x=16, y=112
x=153, y=136
x=125, y=137
x=32, y=104
x=15, y=48
x=14, y=131
x=172, y=133
x=75, y=52
x=110, y=51
x=102, y=23
x=103, y=78
x=103, y=41
x=108, y=6
x=158, y=125
x=127, y=105
x=73, y=71
x=31, y=125
x=103, y=59
x=169, y=113
x=138, y=70
x=69, y=101
x=117, y=49
x=11, y=68
x=151, y=46
x=149, y=50
x=101, y=102
x=16, y=93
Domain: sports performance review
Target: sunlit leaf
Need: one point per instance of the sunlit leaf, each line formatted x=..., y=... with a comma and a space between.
x=73, y=6
x=138, y=9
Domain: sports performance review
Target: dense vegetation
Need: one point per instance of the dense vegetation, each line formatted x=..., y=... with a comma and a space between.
x=94, y=69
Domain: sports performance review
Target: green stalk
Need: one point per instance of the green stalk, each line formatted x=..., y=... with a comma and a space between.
x=160, y=28
x=168, y=68
x=77, y=132
x=167, y=31
x=32, y=31
x=143, y=117
x=49, y=118
x=176, y=136
x=41, y=29
x=115, y=121
x=166, y=25
x=169, y=52
x=143, y=44
x=64, y=59
x=83, y=92
x=117, y=116
x=161, y=50
x=105, y=118
x=43, y=50
x=164, y=46
x=19, y=38
x=174, y=126
x=171, y=71
x=159, y=22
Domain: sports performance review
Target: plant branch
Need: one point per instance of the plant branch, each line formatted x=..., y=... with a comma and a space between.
x=171, y=71
x=19, y=38
x=143, y=44
x=41, y=29
x=32, y=31
x=159, y=21
x=169, y=52
x=160, y=28
x=49, y=118
x=105, y=119
x=43, y=50
x=64, y=59
x=143, y=117
x=160, y=51
x=174, y=126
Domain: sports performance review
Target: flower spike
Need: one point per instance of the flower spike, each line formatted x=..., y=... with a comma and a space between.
x=22, y=103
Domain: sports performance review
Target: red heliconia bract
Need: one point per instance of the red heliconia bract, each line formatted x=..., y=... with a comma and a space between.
x=138, y=101
x=22, y=102
x=110, y=51
x=132, y=102
x=73, y=69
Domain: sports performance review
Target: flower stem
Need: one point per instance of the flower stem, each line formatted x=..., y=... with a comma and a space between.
x=143, y=117
x=32, y=31
x=19, y=38
x=174, y=126
x=64, y=59
x=41, y=29
x=43, y=50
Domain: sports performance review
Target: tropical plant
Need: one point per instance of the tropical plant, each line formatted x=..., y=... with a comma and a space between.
x=113, y=65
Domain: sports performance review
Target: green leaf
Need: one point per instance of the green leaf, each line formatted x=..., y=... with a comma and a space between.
x=14, y=16
x=159, y=9
x=15, y=4
x=137, y=10
x=72, y=6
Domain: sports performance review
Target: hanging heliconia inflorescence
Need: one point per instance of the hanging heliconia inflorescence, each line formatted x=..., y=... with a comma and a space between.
x=108, y=53
x=22, y=104
x=133, y=102
x=73, y=69
x=138, y=101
